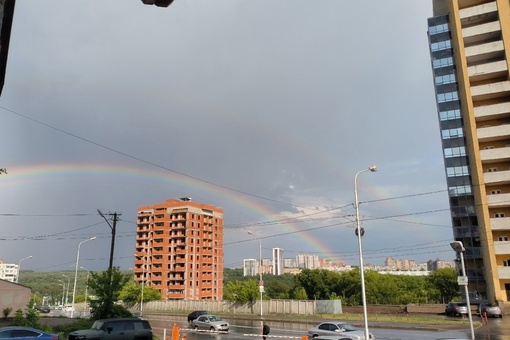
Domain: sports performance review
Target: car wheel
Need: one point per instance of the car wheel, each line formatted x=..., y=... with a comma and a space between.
x=196, y=328
x=212, y=329
x=314, y=336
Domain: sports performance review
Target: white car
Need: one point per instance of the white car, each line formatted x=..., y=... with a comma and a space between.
x=337, y=330
x=211, y=323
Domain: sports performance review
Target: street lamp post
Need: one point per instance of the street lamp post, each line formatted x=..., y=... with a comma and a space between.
x=19, y=265
x=463, y=281
x=86, y=286
x=63, y=290
x=143, y=282
x=67, y=290
x=261, y=282
x=76, y=272
x=359, y=232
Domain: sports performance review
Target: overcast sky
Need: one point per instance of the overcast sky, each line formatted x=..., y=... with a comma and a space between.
x=264, y=108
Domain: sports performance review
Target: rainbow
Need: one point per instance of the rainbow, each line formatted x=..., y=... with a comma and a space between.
x=48, y=172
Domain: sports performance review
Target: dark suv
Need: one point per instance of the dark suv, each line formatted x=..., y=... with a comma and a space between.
x=195, y=314
x=114, y=329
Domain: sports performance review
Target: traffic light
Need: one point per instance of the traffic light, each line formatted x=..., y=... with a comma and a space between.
x=6, y=13
x=159, y=3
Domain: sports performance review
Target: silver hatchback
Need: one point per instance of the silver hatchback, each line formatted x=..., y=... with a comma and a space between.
x=211, y=323
x=456, y=308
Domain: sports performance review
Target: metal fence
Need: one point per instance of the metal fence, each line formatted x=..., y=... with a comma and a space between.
x=302, y=307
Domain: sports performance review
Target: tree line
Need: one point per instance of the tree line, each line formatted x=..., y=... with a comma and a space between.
x=310, y=284
x=320, y=284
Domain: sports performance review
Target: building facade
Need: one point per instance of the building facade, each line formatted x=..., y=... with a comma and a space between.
x=278, y=261
x=8, y=271
x=250, y=267
x=179, y=250
x=470, y=50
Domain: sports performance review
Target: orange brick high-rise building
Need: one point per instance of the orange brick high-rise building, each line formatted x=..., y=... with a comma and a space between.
x=179, y=249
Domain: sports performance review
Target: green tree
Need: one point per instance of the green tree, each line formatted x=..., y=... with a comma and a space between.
x=277, y=290
x=107, y=294
x=241, y=291
x=299, y=293
x=132, y=292
x=318, y=283
x=445, y=282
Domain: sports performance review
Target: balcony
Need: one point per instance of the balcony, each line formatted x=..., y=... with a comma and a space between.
x=481, y=33
x=489, y=51
x=495, y=155
x=493, y=133
x=491, y=90
x=498, y=200
x=478, y=13
x=503, y=273
x=497, y=177
x=489, y=112
x=500, y=223
x=496, y=69
x=502, y=247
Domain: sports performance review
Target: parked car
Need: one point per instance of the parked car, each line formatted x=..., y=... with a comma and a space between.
x=456, y=308
x=121, y=328
x=44, y=309
x=210, y=323
x=25, y=333
x=195, y=314
x=489, y=309
x=338, y=329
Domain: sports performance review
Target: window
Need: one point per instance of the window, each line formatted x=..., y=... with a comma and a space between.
x=445, y=79
x=499, y=215
x=454, y=152
x=495, y=192
x=502, y=238
x=452, y=133
x=459, y=190
x=440, y=45
x=488, y=147
x=447, y=97
x=506, y=263
x=492, y=169
x=455, y=171
x=449, y=115
x=440, y=28
x=443, y=62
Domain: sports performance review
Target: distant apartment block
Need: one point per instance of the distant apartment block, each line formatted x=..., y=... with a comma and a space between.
x=307, y=261
x=278, y=268
x=250, y=267
x=179, y=249
x=8, y=271
x=434, y=265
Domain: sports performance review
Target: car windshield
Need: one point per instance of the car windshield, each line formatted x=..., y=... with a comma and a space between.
x=97, y=325
x=214, y=318
x=346, y=327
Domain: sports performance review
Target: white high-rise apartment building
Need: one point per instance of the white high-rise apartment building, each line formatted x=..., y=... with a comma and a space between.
x=278, y=261
x=250, y=267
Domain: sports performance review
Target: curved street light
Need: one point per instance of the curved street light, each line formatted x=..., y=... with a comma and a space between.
x=86, y=286
x=261, y=282
x=359, y=233
x=463, y=281
x=76, y=272
x=19, y=265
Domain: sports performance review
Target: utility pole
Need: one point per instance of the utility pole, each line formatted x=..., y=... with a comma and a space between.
x=113, y=228
x=112, y=247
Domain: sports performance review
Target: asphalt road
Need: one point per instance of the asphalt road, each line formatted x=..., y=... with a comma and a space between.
x=496, y=329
